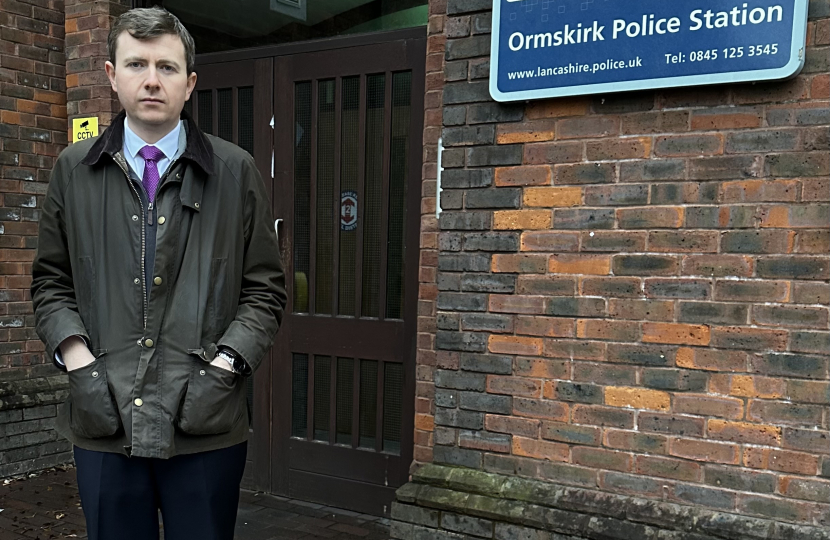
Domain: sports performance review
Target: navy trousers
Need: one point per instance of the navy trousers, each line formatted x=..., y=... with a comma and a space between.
x=197, y=494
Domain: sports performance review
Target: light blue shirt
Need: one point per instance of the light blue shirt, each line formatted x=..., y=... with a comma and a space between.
x=169, y=145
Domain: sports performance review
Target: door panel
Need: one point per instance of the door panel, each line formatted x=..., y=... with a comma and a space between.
x=230, y=101
x=348, y=130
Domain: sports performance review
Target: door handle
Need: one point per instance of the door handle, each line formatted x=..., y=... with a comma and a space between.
x=277, y=229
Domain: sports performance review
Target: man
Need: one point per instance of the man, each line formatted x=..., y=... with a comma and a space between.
x=158, y=286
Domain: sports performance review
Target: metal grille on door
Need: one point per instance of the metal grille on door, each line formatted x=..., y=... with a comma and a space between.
x=351, y=144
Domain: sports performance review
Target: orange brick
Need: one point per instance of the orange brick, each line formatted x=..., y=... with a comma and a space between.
x=781, y=460
x=10, y=117
x=56, y=98
x=539, y=131
x=529, y=346
x=716, y=119
x=72, y=80
x=705, y=451
x=597, y=265
x=540, y=449
x=519, y=263
x=676, y=334
x=528, y=175
x=514, y=386
x=710, y=360
x=552, y=197
x=558, y=108
x=510, y=220
x=637, y=398
x=71, y=25
x=744, y=432
x=425, y=422
x=757, y=387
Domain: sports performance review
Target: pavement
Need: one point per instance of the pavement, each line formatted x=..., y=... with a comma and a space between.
x=46, y=505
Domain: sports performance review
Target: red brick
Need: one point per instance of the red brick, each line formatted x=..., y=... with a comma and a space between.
x=515, y=345
x=780, y=460
x=541, y=408
x=726, y=118
x=711, y=360
x=548, y=451
x=705, y=451
x=705, y=405
x=523, y=427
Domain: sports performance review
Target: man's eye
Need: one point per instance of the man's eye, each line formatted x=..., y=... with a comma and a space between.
x=134, y=64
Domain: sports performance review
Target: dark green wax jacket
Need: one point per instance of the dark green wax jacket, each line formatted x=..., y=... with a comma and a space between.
x=217, y=282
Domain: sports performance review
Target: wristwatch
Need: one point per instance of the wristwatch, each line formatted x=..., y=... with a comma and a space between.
x=232, y=359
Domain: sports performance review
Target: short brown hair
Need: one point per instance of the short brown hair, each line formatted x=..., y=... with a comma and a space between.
x=149, y=23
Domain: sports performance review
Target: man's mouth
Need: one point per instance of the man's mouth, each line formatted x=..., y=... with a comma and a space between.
x=151, y=100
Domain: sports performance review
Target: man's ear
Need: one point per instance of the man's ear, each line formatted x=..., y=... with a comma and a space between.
x=110, y=69
x=191, y=84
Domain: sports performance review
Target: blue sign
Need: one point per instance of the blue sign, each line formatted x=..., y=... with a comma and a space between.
x=554, y=48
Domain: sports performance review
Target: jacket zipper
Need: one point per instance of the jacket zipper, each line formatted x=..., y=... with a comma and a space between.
x=143, y=230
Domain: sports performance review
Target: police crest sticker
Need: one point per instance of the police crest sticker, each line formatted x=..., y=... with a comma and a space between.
x=348, y=210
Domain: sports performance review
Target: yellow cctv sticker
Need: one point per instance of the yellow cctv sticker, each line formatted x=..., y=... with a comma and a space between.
x=84, y=128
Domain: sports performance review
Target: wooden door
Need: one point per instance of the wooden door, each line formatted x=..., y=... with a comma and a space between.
x=233, y=100
x=347, y=137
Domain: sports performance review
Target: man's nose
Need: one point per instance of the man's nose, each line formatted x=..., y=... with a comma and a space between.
x=152, y=79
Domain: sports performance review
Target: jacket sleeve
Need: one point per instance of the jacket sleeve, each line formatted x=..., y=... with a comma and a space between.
x=262, y=298
x=53, y=291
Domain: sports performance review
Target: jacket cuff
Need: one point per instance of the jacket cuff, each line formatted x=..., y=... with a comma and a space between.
x=59, y=326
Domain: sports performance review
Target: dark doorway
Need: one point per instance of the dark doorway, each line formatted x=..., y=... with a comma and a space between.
x=334, y=409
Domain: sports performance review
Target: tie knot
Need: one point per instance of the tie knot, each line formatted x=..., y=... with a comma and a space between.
x=151, y=153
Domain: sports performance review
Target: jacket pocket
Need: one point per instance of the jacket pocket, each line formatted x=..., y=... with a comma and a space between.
x=211, y=402
x=93, y=412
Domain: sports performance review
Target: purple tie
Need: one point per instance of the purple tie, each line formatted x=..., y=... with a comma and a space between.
x=151, y=155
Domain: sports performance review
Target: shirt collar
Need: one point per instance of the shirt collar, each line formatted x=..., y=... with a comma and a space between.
x=169, y=144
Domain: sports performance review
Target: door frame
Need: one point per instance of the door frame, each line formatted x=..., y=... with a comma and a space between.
x=267, y=440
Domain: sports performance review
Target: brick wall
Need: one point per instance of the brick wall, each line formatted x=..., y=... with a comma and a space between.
x=634, y=288
x=32, y=134
x=33, y=131
x=428, y=268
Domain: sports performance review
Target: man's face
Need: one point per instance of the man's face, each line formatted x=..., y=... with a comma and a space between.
x=150, y=77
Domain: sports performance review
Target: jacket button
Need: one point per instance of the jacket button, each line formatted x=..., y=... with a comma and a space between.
x=148, y=343
x=138, y=402
x=135, y=218
x=196, y=205
x=157, y=280
x=136, y=281
x=201, y=372
x=162, y=220
x=94, y=374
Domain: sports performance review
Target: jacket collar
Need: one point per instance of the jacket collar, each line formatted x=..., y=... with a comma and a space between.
x=198, y=149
